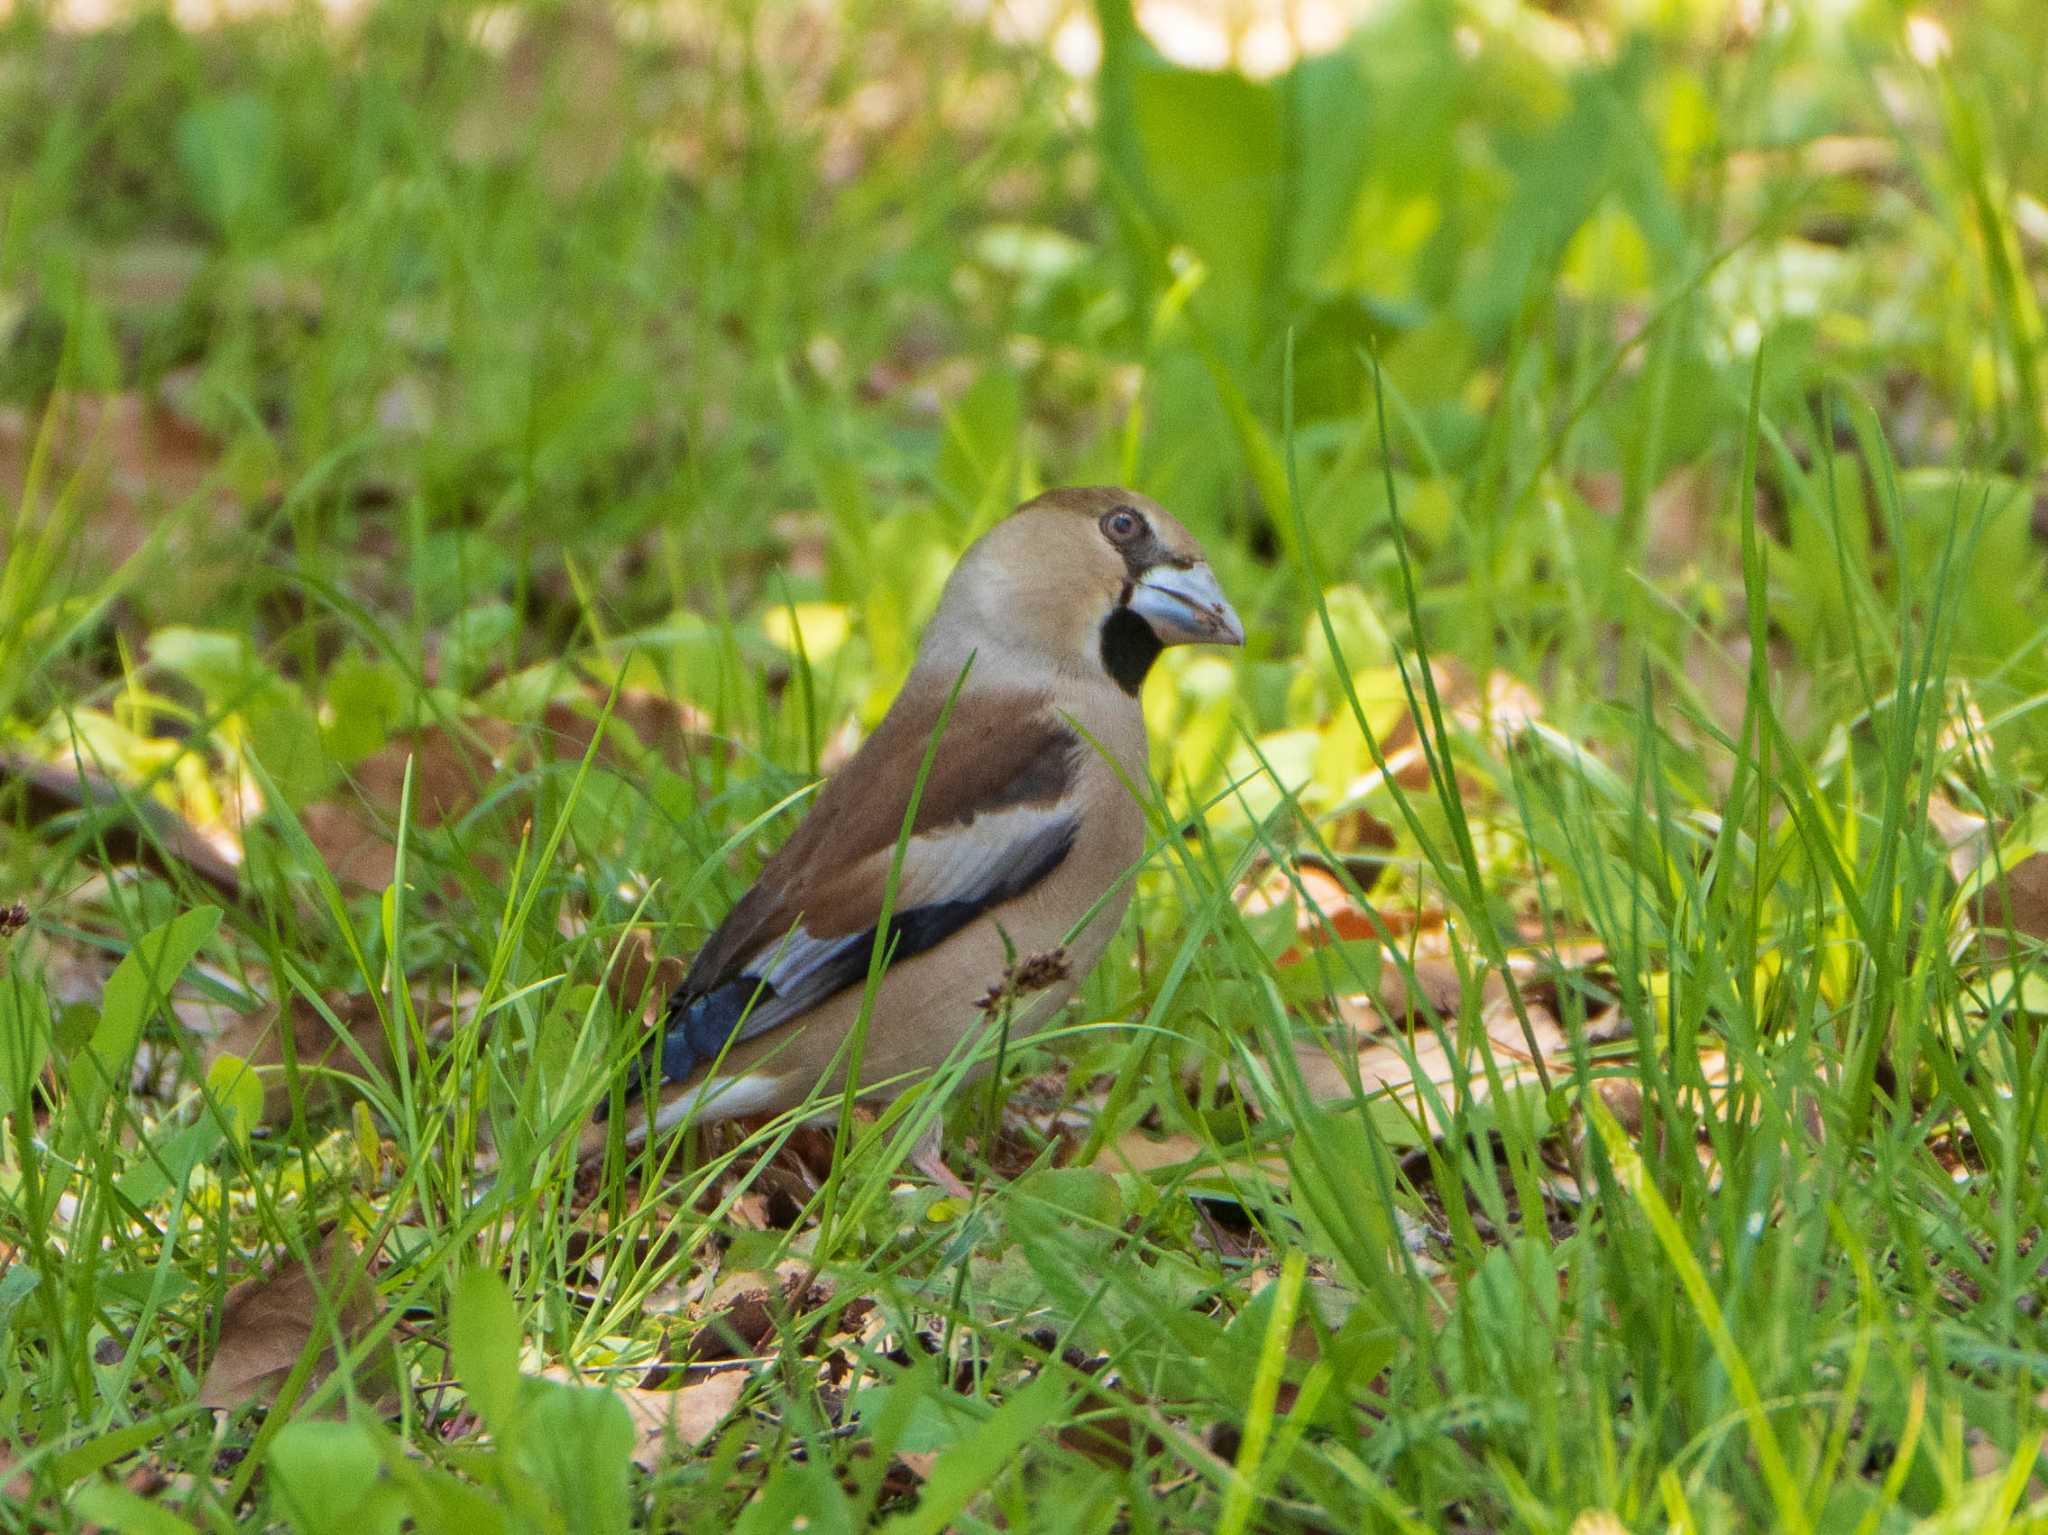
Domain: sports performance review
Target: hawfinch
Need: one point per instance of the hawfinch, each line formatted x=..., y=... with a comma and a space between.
x=1025, y=827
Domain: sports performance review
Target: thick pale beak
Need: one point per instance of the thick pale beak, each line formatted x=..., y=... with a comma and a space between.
x=1185, y=606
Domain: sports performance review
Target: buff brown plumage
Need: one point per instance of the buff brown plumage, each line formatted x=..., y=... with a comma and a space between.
x=1024, y=832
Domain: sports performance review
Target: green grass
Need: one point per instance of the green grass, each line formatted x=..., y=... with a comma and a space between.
x=507, y=453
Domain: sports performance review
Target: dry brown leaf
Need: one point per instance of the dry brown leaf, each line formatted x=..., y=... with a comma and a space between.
x=1719, y=668
x=1967, y=837
x=806, y=543
x=258, y=1039
x=641, y=981
x=745, y=1308
x=130, y=457
x=1623, y=1097
x=642, y=723
x=267, y=1323
x=1324, y=908
x=2016, y=902
x=1138, y=1153
x=1502, y=711
x=1679, y=521
x=1383, y=1066
x=683, y=1418
x=1411, y=994
x=1407, y=766
x=354, y=831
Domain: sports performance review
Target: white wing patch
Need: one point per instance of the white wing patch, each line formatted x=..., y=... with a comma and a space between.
x=974, y=864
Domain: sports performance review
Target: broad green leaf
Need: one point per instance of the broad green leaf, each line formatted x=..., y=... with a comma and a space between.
x=476, y=642
x=285, y=737
x=483, y=1335
x=1081, y=1194
x=143, y=981
x=329, y=1478
x=169, y=1163
x=799, y=1495
x=17, y=1282
x=1213, y=160
x=102, y=1450
x=224, y=667
x=580, y=1450
x=24, y=1037
x=365, y=700
x=978, y=459
x=1599, y=146
x=1343, y=1179
x=1347, y=967
x=231, y=149
x=437, y=1500
x=116, y=1509
x=146, y=1287
x=233, y=1085
x=973, y=1465
x=1331, y=111
x=74, y=1028
x=453, y=566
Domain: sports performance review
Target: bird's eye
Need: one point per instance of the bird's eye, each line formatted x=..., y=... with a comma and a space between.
x=1121, y=525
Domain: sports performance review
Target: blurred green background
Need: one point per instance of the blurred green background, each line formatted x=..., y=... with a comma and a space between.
x=523, y=324
x=381, y=384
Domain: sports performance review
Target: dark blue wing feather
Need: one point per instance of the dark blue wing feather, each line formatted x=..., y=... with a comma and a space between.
x=698, y=1028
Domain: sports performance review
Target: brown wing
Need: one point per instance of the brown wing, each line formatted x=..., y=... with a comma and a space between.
x=992, y=821
x=999, y=751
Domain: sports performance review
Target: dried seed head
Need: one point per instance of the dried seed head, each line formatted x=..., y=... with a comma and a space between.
x=1034, y=972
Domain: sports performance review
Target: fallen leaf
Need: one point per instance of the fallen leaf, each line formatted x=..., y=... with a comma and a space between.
x=355, y=831
x=1137, y=1152
x=1140, y=1154
x=2016, y=902
x=1505, y=710
x=683, y=1418
x=1386, y=1067
x=130, y=457
x=643, y=723
x=258, y=1038
x=1325, y=910
x=744, y=1310
x=1968, y=838
x=641, y=981
x=268, y=1322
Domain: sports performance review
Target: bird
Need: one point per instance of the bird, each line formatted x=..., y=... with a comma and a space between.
x=1025, y=698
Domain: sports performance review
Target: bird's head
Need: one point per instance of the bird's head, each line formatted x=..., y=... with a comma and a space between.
x=1086, y=578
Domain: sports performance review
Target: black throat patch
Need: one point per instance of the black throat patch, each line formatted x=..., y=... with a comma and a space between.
x=1129, y=647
